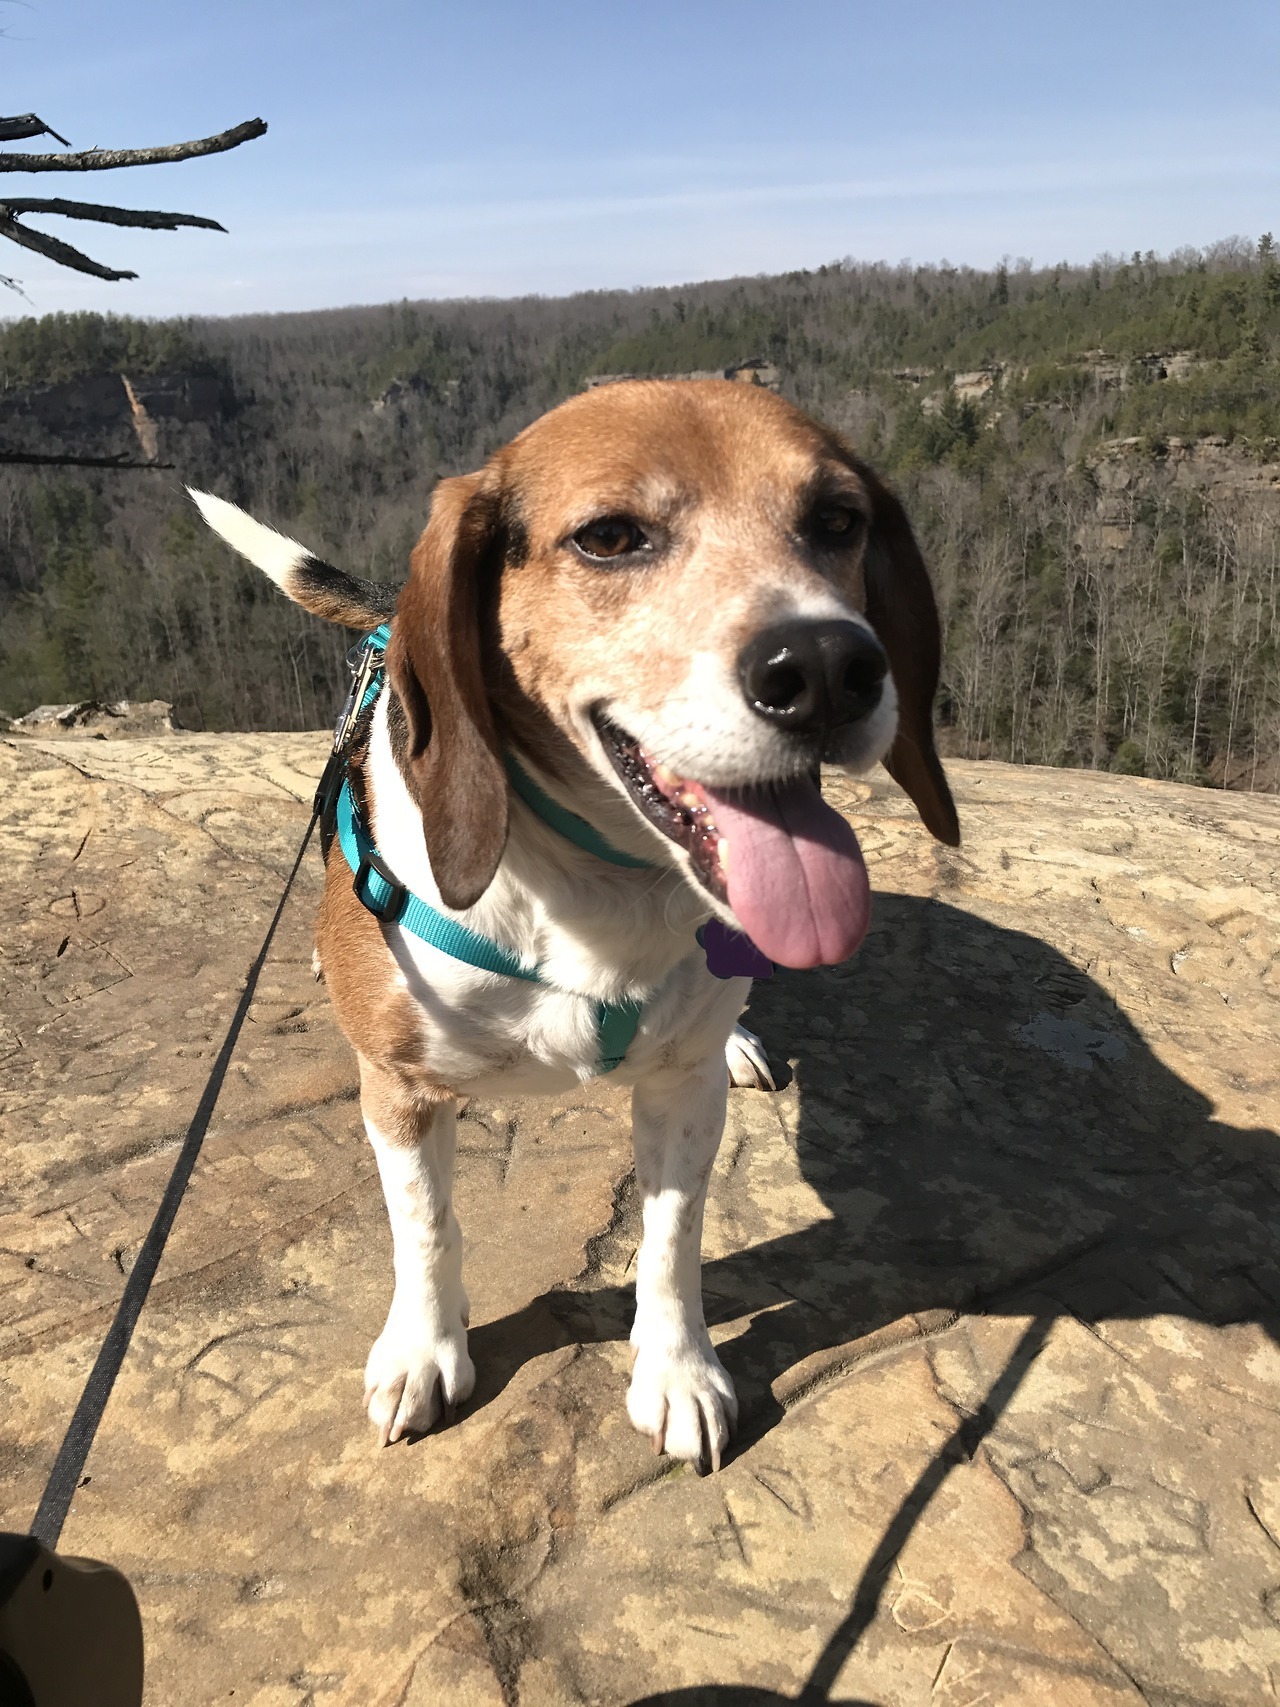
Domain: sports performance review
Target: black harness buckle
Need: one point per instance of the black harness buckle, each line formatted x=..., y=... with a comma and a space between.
x=388, y=911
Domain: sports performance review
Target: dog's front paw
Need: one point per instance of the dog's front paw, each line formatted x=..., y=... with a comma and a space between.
x=683, y=1399
x=413, y=1377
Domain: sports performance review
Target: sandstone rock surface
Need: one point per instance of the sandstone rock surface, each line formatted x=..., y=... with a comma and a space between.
x=996, y=1274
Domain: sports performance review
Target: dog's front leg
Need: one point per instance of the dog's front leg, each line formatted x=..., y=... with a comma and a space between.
x=419, y=1363
x=680, y=1395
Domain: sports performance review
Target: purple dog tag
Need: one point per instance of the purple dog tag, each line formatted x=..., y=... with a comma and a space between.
x=730, y=954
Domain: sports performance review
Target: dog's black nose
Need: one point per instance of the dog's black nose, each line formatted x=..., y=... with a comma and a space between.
x=813, y=677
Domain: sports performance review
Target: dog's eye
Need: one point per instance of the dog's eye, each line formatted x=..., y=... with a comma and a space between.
x=611, y=536
x=837, y=524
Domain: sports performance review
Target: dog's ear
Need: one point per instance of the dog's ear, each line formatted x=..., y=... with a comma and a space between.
x=901, y=609
x=435, y=665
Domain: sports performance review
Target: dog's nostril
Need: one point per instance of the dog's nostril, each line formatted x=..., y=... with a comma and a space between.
x=781, y=687
x=863, y=675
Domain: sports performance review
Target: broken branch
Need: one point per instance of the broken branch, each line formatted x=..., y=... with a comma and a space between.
x=107, y=159
x=48, y=460
x=25, y=125
x=105, y=215
x=56, y=250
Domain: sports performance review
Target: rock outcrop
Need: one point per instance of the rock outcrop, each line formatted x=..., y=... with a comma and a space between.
x=111, y=411
x=1212, y=465
x=756, y=371
x=1128, y=473
x=106, y=719
x=996, y=1274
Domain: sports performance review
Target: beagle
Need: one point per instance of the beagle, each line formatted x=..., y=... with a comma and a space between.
x=667, y=603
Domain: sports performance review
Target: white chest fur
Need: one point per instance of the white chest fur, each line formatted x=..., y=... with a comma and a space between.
x=597, y=933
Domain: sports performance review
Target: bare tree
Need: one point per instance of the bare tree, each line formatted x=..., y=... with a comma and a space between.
x=98, y=160
x=25, y=126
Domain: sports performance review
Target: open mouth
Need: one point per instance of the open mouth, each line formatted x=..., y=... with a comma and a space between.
x=786, y=864
x=678, y=807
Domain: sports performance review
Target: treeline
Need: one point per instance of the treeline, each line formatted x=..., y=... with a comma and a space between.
x=1118, y=608
x=73, y=346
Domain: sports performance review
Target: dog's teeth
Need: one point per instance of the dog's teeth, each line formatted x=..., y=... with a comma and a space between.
x=722, y=855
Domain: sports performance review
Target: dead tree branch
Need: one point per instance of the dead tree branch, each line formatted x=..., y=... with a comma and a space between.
x=63, y=253
x=107, y=159
x=105, y=215
x=42, y=459
x=54, y=249
x=25, y=125
x=97, y=160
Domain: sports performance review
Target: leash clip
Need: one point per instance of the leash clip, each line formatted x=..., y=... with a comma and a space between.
x=365, y=662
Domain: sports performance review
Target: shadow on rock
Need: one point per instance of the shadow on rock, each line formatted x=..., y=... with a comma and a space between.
x=989, y=1133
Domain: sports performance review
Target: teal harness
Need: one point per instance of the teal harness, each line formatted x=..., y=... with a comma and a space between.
x=378, y=889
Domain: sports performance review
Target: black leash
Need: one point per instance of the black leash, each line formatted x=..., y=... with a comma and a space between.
x=68, y=1466
x=70, y=1629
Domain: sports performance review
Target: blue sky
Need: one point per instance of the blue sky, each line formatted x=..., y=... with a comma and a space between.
x=495, y=148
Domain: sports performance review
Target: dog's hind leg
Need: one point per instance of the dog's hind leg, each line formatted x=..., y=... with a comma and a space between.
x=680, y=1395
x=748, y=1062
x=419, y=1366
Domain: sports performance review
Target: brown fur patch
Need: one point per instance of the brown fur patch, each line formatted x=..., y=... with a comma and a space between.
x=434, y=663
x=378, y=1016
x=400, y=1109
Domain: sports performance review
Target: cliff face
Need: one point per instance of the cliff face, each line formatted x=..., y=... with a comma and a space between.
x=1127, y=471
x=996, y=1274
x=111, y=408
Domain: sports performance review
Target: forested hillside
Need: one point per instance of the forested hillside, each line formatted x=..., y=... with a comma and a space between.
x=1091, y=457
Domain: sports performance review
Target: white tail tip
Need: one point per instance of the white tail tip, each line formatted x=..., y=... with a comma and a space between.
x=274, y=553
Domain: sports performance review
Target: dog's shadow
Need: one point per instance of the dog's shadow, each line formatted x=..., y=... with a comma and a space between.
x=1030, y=1156
x=1022, y=1137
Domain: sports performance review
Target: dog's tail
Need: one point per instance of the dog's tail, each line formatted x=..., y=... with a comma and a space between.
x=316, y=586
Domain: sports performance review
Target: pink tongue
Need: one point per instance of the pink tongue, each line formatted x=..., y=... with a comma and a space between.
x=796, y=878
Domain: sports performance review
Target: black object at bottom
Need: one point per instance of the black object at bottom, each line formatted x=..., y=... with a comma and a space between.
x=70, y=1630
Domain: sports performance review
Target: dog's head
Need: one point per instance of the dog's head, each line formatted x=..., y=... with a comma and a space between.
x=700, y=595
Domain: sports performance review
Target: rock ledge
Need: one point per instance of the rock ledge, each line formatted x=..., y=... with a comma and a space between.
x=996, y=1275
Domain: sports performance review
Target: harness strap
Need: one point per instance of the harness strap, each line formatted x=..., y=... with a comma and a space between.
x=729, y=953
x=566, y=823
x=378, y=890
x=392, y=904
x=617, y=1024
